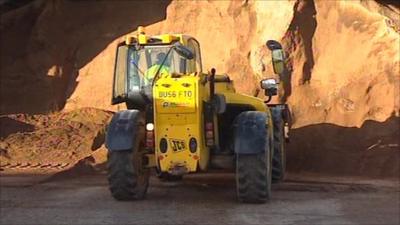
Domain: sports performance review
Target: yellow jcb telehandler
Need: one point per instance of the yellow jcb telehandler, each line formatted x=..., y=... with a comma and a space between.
x=181, y=120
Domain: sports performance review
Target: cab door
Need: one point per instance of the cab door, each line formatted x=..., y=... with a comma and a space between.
x=194, y=65
x=119, y=92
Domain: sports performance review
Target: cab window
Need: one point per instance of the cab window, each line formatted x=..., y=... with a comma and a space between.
x=194, y=65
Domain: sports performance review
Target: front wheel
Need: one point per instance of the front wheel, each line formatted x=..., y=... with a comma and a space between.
x=253, y=177
x=279, y=158
x=127, y=176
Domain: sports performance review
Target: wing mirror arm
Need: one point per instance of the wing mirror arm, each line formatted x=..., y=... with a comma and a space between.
x=268, y=99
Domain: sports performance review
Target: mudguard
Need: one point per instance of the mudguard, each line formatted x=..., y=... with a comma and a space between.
x=251, y=132
x=122, y=130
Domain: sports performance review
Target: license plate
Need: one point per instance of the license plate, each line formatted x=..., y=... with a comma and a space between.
x=175, y=94
x=175, y=98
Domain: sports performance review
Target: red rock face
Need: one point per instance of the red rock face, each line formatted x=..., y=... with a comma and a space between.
x=343, y=55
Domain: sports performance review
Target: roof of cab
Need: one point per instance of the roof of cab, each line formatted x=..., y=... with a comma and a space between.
x=143, y=39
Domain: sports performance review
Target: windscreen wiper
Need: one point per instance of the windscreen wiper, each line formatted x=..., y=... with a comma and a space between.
x=162, y=64
x=137, y=67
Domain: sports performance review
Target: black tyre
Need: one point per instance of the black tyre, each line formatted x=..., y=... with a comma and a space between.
x=279, y=156
x=253, y=177
x=128, y=178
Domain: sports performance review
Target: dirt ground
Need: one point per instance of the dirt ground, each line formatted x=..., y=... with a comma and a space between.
x=198, y=199
x=54, y=140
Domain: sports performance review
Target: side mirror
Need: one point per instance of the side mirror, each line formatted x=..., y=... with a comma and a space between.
x=184, y=51
x=218, y=103
x=270, y=86
x=278, y=56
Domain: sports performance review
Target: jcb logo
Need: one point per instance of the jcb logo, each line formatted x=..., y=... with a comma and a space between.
x=177, y=145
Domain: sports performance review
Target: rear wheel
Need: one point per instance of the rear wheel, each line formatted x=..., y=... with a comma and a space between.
x=127, y=176
x=253, y=177
x=279, y=156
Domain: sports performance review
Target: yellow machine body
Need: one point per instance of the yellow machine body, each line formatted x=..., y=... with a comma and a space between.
x=178, y=112
x=178, y=118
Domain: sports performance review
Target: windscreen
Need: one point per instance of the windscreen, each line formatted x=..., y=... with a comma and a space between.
x=146, y=62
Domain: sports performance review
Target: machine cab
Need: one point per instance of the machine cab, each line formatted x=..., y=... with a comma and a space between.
x=141, y=59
